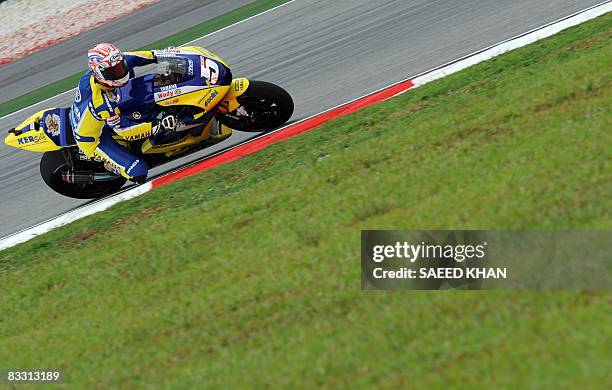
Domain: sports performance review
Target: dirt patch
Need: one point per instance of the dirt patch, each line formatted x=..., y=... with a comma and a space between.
x=587, y=44
x=407, y=111
x=261, y=165
x=374, y=209
x=138, y=216
x=468, y=89
x=486, y=134
x=243, y=223
x=82, y=236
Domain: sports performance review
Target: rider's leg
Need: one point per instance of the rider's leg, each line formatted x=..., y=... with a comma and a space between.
x=122, y=161
x=131, y=131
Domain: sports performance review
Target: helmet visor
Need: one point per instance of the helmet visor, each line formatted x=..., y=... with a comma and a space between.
x=115, y=72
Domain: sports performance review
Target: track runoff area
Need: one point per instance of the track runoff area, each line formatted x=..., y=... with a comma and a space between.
x=257, y=143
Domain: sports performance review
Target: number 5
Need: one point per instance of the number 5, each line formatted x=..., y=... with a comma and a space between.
x=210, y=70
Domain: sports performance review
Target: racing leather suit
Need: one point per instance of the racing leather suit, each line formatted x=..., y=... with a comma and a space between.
x=95, y=105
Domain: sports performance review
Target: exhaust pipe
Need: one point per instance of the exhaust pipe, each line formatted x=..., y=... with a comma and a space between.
x=88, y=177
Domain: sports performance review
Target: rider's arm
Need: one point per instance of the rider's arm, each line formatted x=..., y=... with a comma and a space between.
x=139, y=58
x=93, y=117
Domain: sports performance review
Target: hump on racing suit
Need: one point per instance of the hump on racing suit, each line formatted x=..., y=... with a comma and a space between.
x=93, y=105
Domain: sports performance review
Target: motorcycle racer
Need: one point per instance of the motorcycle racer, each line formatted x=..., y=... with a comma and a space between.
x=190, y=100
x=95, y=109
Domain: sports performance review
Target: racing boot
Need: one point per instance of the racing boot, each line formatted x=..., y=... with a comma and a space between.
x=112, y=169
x=139, y=179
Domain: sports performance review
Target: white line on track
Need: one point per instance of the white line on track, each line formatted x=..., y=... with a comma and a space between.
x=182, y=44
x=72, y=215
x=515, y=42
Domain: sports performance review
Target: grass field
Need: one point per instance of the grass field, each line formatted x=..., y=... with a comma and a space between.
x=187, y=35
x=248, y=275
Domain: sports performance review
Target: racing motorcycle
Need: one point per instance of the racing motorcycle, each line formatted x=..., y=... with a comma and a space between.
x=190, y=82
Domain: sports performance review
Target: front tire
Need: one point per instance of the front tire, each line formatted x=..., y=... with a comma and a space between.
x=263, y=106
x=52, y=164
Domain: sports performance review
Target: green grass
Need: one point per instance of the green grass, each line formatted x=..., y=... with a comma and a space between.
x=248, y=275
x=182, y=37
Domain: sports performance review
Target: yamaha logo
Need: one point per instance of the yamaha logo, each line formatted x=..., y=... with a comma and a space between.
x=136, y=115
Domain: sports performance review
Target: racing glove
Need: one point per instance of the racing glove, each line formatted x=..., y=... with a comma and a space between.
x=114, y=121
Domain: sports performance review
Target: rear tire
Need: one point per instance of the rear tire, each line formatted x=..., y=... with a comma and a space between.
x=51, y=166
x=263, y=106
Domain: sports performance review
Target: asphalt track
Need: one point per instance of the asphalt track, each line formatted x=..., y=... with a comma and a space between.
x=324, y=53
x=135, y=30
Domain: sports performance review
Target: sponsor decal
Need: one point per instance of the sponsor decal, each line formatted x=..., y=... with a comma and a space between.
x=167, y=94
x=83, y=157
x=176, y=92
x=31, y=139
x=93, y=112
x=168, y=87
x=169, y=50
x=75, y=116
x=204, y=96
x=52, y=122
x=132, y=166
x=138, y=136
x=164, y=95
x=111, y=166
x=211, y=98
x=190, y=68
x=136, y=115
x=162, y=146
x=239, y=85
x=169, y=102
x=77, y=97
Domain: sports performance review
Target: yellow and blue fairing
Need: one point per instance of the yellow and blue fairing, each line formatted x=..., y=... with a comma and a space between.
x=44, y=131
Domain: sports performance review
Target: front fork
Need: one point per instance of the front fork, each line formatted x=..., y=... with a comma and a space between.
x=230, y=101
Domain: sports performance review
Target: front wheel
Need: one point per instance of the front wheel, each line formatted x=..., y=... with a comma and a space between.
x=263, y=106
x=53, y=164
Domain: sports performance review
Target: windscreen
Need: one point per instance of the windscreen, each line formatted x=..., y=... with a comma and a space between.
x=171, y=70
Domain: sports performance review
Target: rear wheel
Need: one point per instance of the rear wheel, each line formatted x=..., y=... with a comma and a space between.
x=263, y=106
x=53, y=164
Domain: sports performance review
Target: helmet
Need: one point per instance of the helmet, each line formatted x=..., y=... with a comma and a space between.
x=108, y=65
